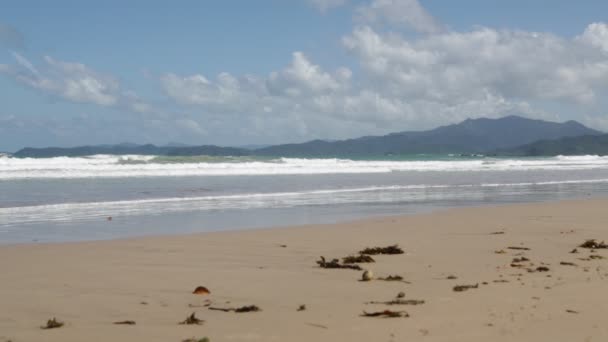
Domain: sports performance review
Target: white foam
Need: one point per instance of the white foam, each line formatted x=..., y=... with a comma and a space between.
x=108, y=166
x=64, y=212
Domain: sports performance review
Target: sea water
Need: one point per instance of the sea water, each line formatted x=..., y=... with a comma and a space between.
x=105, y=197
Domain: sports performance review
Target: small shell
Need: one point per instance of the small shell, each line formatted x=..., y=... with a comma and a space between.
x=367, y=275
x=201, y=290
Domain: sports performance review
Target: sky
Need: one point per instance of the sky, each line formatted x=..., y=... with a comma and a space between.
x=235, y=73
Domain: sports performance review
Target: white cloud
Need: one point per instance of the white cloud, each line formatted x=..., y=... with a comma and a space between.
x=400, y=12
x=325, y=5
x=596, y=34
x=453, y=67
x=410, y=83
x=303, y=77
x=74, y=82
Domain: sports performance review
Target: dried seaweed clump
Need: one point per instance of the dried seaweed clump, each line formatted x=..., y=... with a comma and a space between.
x=193, y=339
x=247, y=308
x=354, y=259
x=461, y=288
x=400, y=302
x=335, y=263
x=394, y=278
x=394, y=249
x=125, y=323
x=52, y=324
x=386, y=314
x=593, y=244
x=192, y=319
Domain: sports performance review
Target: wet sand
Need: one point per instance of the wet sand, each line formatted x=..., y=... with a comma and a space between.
x=90, y=285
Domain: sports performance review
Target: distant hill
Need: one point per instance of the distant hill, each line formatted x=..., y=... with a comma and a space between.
x=582, y=145
x=469, y=136
x=125, y=149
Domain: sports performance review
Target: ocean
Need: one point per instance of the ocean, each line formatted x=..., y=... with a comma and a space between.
x=106, y=197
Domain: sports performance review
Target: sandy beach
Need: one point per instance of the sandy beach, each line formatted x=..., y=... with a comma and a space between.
x=548, y=294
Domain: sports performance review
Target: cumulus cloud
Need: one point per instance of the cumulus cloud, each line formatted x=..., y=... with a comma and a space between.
x=412, y=83
x=325, y=5
x=409, y=13
x=74, y=82
x=596, y=34
x=455, y=66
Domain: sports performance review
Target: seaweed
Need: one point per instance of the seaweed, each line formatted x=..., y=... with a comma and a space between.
x=125, y=323
x=399, y=302
x=542, y=269
x=593, y=244
x=394, y=278
x=302, y=308
x=451, y=277
x=567, y=263
x=247, y=308
x=352, y=259
x=522, y=259
x=401, y=294
x=519, y=248
x=335, y=263
x=386, y=314
x=595, y=256
x=52, y=324
x=193, y=339
x=497, y=233
x=192, y=319
x=394, y=249
x=461, y=288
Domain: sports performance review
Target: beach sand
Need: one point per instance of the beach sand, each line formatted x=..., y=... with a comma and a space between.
x=90, y=285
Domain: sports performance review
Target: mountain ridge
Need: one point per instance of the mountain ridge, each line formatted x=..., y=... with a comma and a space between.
x=482, y=135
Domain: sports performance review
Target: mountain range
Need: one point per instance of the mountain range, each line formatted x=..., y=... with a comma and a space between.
x=511, y=135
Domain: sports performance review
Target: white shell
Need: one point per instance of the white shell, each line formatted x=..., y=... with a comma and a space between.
x=367, y=275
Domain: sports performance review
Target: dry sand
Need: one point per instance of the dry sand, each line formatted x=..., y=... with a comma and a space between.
x=149, y=280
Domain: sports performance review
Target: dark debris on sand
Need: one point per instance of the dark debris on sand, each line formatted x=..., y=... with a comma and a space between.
x=519, y=248
x=394, y=278
x=247, y=308
x=593, y=244
x=193, y=339
x=53, y=324
x=399, y=302
x=192, y=319
x=354, y=259
x=394, y=249
x=125, y=323
x=335, y=263
x=461, y=288
x=386, y=314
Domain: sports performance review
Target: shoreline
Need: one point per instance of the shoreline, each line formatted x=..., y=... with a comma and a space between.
x=91, y=284
x=372, y=217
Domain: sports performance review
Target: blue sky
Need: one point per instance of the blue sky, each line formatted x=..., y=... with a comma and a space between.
x=256, y=72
